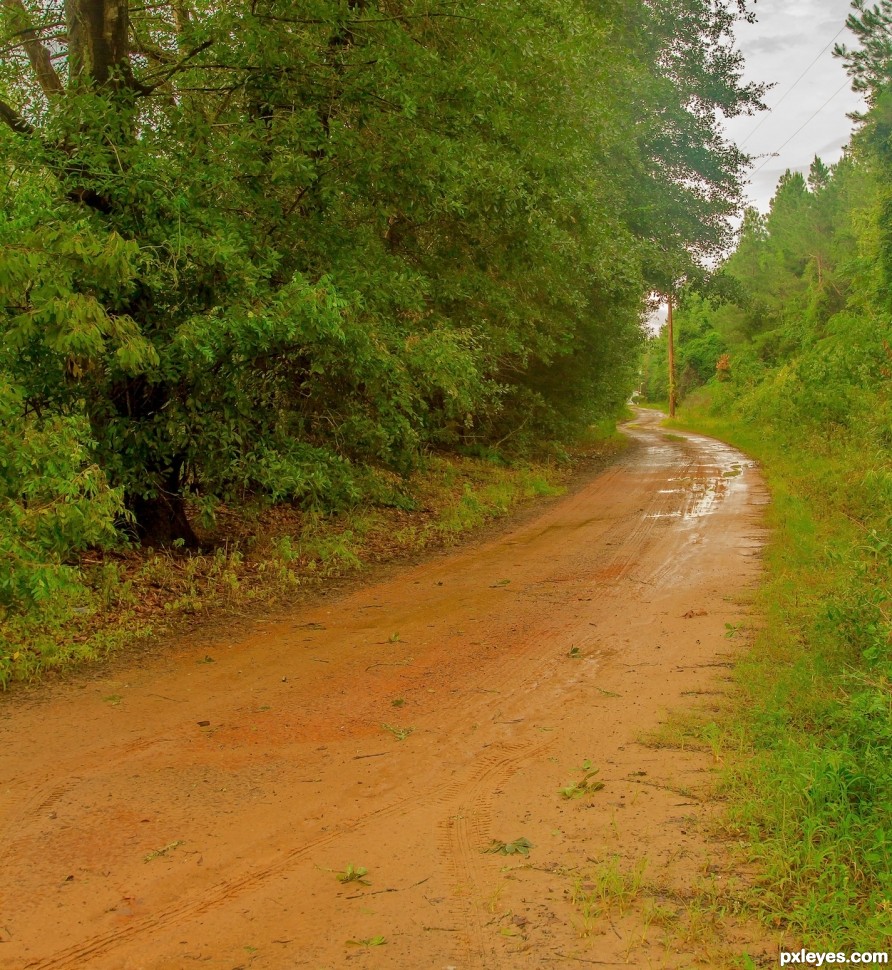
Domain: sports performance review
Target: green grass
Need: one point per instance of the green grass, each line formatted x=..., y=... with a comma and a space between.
x=808, y=743
x=607, y=887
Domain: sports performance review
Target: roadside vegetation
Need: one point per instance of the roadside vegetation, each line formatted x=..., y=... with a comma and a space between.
x=260, y=555
x=789, y=356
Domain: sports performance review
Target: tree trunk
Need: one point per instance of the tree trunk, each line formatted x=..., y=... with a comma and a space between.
x=97, y=41
x=162, y=521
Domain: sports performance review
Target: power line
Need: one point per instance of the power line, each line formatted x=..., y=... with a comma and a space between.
x=791, y=87
x=805, y=124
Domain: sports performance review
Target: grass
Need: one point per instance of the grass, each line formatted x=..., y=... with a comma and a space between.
x=662, y=921
x=807, y=741
x=260, y=555
x=608, y=888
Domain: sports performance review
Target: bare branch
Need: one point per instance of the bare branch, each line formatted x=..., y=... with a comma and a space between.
x=37, y=28
x=152, y=53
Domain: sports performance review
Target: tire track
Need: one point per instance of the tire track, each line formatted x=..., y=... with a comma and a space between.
x=75, y=956
x=105, y=761
x=493, y=765
x=460, y=841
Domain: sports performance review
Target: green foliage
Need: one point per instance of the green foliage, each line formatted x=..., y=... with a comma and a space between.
x=265, y=251
x=354, y=874
x=54, y=501
x=585, y=786
x=399, y=733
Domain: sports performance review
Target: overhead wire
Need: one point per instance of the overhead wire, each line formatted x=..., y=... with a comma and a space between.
x=805, y=124
x=792, y=87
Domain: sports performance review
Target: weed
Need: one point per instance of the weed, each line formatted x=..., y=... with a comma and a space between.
x=806, y=742
x=605, y=889
x=354, y=874
x=371, y=941
x=400, y=733
x=494, y=898
x=584, y=786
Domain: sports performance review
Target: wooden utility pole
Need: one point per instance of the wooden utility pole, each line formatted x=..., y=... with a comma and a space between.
x=671, y=339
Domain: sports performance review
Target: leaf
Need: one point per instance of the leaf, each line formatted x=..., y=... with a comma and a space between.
x=159, y=853
x=583, y=787
x=519, y=846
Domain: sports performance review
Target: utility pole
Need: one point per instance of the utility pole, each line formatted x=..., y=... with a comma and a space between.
x=671, y=339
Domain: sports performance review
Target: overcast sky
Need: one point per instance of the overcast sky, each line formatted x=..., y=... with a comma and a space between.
x=793, y=42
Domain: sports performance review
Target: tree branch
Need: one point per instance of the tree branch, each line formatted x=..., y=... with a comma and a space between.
x=168, y=73
x=15, y=120
x=38, y=55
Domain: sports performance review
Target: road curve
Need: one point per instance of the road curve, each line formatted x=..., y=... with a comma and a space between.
x=195, y=810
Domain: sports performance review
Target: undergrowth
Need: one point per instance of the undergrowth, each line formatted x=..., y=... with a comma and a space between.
x=808, y=745
x=261, y=555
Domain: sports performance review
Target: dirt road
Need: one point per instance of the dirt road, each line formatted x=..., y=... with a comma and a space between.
x=195, y=811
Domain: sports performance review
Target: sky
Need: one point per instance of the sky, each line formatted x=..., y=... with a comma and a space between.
x=791, y=45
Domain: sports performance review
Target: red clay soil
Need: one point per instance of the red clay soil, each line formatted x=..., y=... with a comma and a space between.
x=195, y=810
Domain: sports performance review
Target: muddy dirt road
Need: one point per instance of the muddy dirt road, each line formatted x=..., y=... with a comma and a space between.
x=195, y=811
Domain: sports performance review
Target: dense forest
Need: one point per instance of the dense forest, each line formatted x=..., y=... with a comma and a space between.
x=271, y=249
